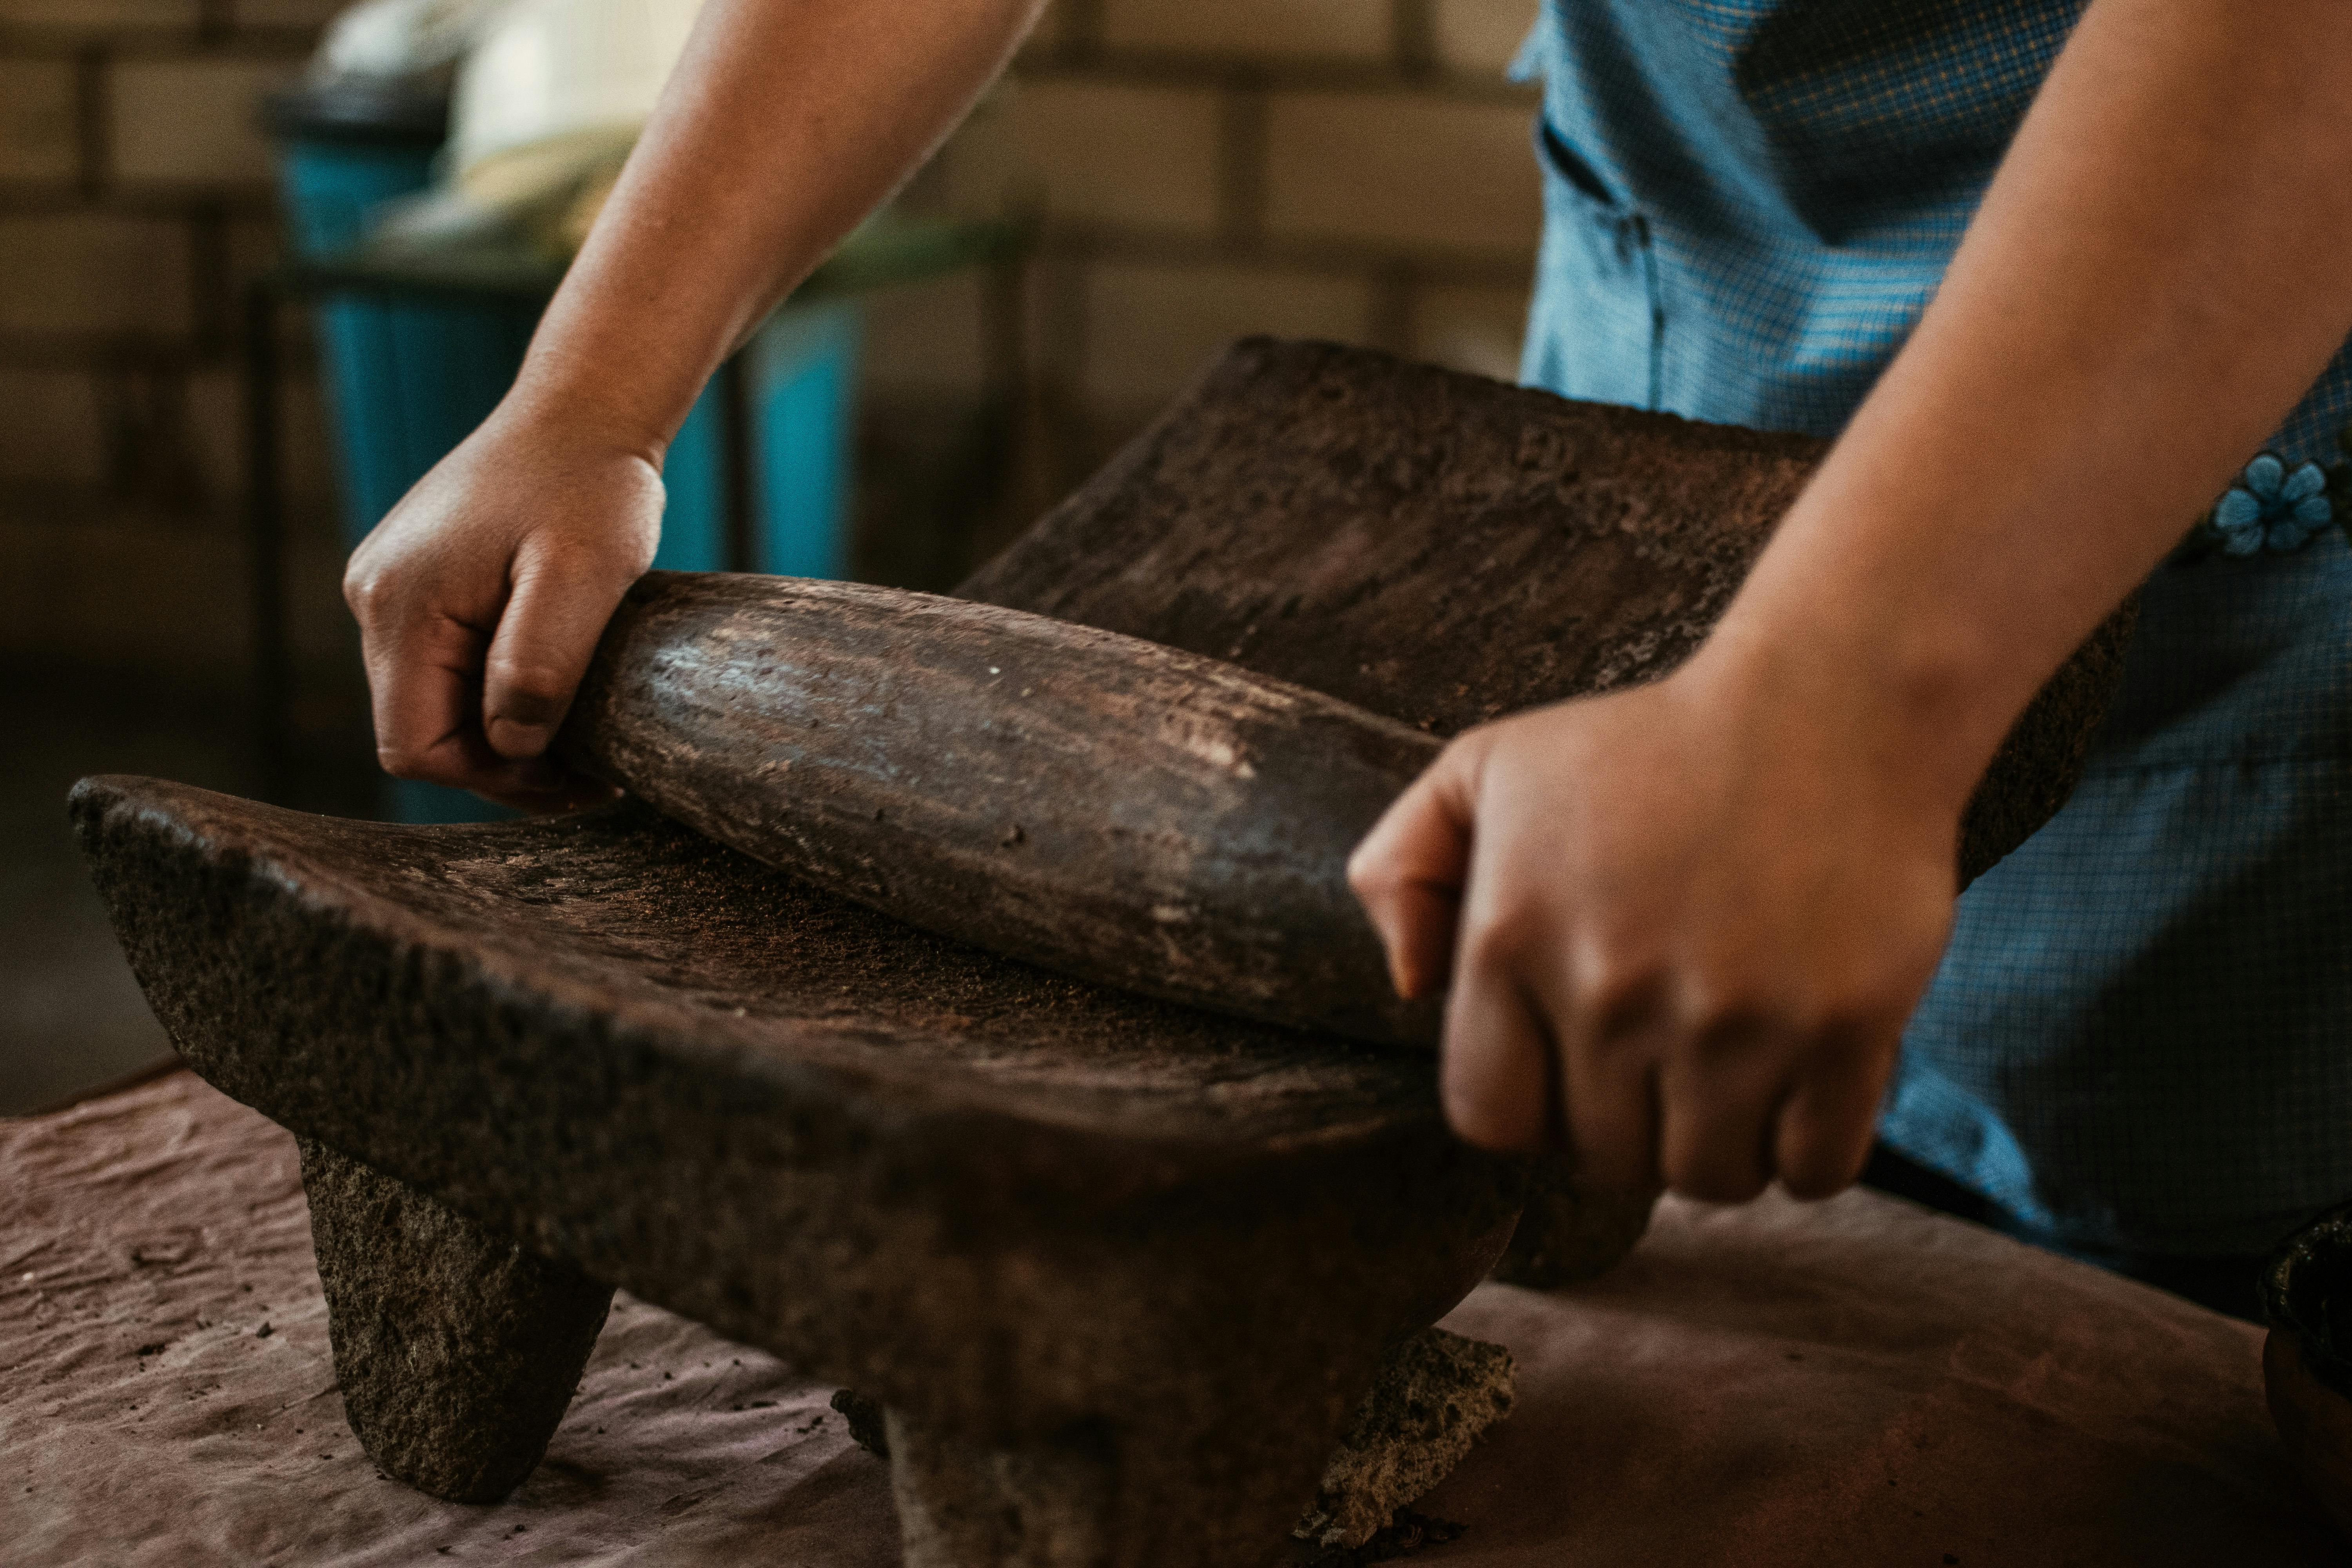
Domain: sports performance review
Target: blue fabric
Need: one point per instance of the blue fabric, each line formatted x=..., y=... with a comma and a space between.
x=2140, y=1040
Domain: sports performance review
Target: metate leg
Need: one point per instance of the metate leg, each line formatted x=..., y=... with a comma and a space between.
x=457, y=1351
x=1097, y=1497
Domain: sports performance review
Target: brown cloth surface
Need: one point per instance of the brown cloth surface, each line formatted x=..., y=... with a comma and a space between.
x=1858, y=1382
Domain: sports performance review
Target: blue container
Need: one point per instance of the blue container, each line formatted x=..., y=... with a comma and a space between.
x=407, y=379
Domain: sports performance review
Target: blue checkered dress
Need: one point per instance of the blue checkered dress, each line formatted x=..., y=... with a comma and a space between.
x=2137, y=1043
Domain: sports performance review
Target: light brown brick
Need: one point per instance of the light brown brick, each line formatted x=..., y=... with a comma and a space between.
x=1478, y=37
x=1140, y=157
x=217, y=434
x=1148, y=328
x=37, y=120
x=978, y=171
x=1473, y=329
x=191, y=121
x=93, y=272
x=51, y=434
x=123, y=586
x=928, y=340
x=1288, y=29
x=1392, y=169
x=100, y=15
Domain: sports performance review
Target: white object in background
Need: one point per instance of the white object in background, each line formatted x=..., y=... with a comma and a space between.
x=562, y=71
x=401, y=38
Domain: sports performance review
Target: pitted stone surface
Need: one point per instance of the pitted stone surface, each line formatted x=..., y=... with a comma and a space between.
x=456, y=1350
x=1434, y=1396
x=1027, y=1215
x=1443, y=549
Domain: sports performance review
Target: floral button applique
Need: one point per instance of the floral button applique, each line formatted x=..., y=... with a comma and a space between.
x=2270, y=509
x=2273, y=507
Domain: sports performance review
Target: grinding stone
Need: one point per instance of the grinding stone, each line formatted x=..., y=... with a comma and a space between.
x=1049, y=1227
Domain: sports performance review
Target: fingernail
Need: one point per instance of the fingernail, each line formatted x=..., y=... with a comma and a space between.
x=510, y=739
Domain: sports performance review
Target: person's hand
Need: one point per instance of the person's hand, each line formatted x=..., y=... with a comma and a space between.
x=1683, y=927
x=481, y=596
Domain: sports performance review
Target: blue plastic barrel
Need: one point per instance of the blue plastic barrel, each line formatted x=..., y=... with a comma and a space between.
x=406, y=379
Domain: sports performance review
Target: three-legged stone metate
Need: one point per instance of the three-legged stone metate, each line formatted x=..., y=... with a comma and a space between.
x=1120, y=1272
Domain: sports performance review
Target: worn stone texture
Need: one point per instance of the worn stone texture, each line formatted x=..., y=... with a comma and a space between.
x=945, y=762
x=1445, y=549
x=868, y=1423
x=456, y=1350
x=1432, y=1397
x=1053, y=1502
x=1027, y=1215
x=1005, y=1203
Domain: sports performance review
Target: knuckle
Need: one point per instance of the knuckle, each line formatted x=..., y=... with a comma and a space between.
x=1719, y=1011
x=1503, y=940
x=1617, y=985
x=364, y=593
x=1372, y=874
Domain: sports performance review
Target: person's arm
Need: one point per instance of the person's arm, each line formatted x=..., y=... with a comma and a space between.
x=1683, y=925
x=480, y=596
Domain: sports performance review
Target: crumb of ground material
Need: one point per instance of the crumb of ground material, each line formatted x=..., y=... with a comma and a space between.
x=866, y=1427
x=1403, y=1536
x=1430, y=1400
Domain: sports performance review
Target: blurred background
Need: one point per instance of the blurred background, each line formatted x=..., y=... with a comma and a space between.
x=260, y=266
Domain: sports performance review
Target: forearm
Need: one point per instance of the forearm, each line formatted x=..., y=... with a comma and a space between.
x=784, y=124
x=2162, y=265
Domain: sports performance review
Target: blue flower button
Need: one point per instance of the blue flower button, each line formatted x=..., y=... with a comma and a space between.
x=2270, y=509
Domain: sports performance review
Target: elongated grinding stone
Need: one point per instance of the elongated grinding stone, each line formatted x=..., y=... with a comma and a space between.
x=1105, y=807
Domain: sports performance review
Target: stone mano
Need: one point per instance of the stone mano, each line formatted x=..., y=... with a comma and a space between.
x=1109, y=807
x=1119, y=1270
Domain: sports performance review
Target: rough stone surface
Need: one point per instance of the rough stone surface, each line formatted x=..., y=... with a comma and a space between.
x=1568, y=1232
x=1002, y=1202
x=456, y=1350
x=1445, y=549
x=1060, y=1501
x=1029, y=1216
x=1433, y=1397
x=868, y=1423
x=944, y=761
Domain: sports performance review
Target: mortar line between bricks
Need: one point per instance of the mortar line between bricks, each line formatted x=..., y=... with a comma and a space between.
x=1395, y=288
x=1412, y=34
x=1143, y=69
x=1081, y=35
x=211, y=288
x=29, y=41
x=1240, y=165
x=64, y=200
x=1090, y=243
x=92, y=149
x=88, y=349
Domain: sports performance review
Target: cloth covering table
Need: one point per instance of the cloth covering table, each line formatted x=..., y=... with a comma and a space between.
x=1859, y=1381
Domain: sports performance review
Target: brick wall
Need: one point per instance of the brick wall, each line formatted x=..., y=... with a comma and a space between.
x=134, y=202
x=1350, y=169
